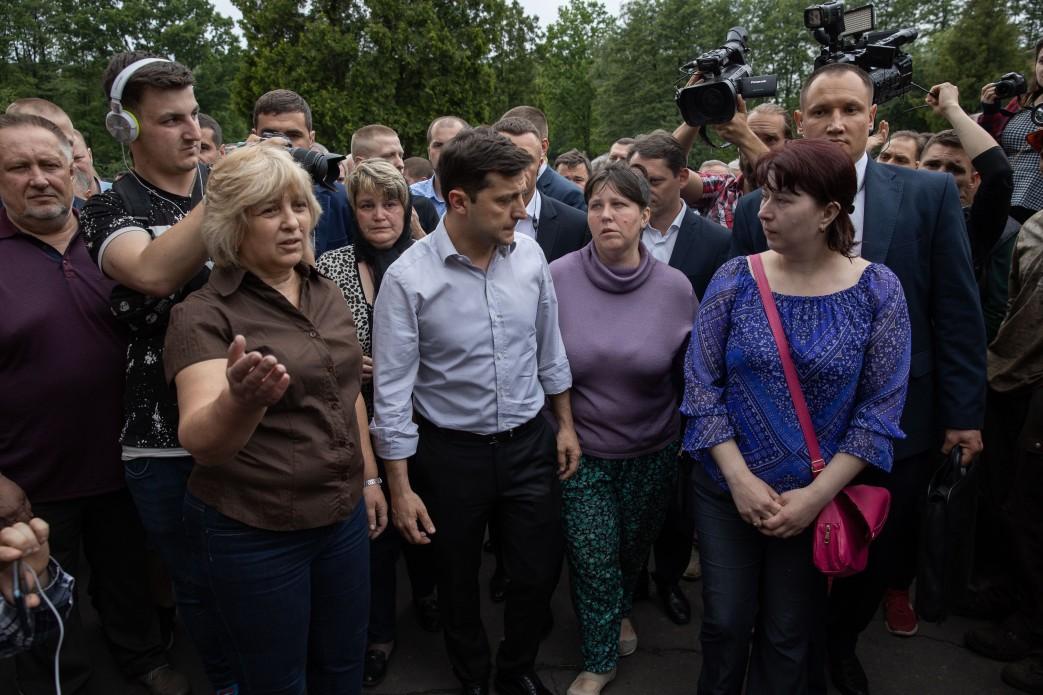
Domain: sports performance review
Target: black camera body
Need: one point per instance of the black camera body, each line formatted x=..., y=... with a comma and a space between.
x=324, y=169
x=1011, y=85
x=848, y=37
x=726, y=75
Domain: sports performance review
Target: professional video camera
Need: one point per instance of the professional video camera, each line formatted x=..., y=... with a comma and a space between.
x=726, y=74
x=848, y=37
x=323, y=168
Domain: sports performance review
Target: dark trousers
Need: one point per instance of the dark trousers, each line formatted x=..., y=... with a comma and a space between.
x=673, y=545
x=384, y=551
x=464, y=484
x=296, y=603
x=853, y=601
x=1023, y=510
x=109, y=532
x=158, y=487
x=762, y=598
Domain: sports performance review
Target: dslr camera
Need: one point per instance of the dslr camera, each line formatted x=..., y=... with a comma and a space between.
x=849, y=37
x=726, y=74
x=1010, y=85
x=324, y=169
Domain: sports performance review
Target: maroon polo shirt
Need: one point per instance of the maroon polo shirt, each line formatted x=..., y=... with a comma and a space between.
x=62, y=358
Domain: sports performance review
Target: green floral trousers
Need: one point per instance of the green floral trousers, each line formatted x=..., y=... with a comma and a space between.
x=613, y=510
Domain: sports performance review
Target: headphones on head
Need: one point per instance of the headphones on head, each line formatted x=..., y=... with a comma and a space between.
x=121, y=124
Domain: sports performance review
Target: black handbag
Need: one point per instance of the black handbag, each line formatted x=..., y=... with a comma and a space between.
x=946, y=557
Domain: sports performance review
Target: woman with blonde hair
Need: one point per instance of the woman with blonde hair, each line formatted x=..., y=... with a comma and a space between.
x=285, y=491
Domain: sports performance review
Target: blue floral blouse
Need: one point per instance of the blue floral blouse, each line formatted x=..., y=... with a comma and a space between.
x=851, y=350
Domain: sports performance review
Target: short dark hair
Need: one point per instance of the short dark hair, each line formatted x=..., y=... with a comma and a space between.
x=533, y=115
x=916, y=137
x=623, y=180
x=468, y=159
x=279, y=101
x=210, y=122
x=660, y=144
x=31, y=120
x=419, y=168
x=836, y=68
x=948, y=138
x=445, y=119
x=776, y=110
x=516, y=125
x=822, y=170
x=573, y=158
x=164, y=75
x=362, y=139
x=624, y=141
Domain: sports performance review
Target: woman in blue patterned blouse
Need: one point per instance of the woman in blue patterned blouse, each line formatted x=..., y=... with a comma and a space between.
x=848, y=329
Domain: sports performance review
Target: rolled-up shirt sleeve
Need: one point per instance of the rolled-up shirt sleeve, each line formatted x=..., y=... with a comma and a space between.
x=396, y=359
x=884, y=380
x=552, y=364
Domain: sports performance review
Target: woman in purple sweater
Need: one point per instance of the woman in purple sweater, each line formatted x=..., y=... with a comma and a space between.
x=625, y=320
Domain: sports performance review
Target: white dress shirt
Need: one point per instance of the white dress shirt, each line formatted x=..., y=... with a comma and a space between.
x=661, y=245
x=530, y=225
x=859, y=215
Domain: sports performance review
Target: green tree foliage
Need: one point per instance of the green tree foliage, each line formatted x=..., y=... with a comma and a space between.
x=58, y=50
x=566, y=60
x=396, y=62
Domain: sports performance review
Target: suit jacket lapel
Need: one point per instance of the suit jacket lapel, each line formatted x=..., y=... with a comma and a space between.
x=546, y=232
x=685, y=240
x=883, y=197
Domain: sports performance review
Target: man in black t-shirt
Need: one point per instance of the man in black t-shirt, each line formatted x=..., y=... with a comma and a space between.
x=145, y=235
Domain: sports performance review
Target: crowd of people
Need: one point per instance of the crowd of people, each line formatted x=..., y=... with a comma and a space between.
x=240, y=389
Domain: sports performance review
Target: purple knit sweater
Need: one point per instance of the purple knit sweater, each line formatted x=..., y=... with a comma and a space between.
x=624, y=331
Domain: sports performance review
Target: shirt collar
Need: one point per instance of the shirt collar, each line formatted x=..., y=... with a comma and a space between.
x=534, y=207
x=8, y=229
x=543, y=168
x=860, y=170
x=445, y=248
x=674, y=226
x=227, y=280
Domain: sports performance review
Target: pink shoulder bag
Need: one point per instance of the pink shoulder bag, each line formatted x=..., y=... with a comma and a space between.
x=847, y=524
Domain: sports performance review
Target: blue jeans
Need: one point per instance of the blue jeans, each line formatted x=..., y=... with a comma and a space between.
x=158, y=487
x=762, y=600
x=295, y=602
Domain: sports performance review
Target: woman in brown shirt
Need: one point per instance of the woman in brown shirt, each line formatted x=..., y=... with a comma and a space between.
x=267, y=367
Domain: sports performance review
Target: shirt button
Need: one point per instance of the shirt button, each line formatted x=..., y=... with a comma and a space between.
x=335, y=405
x=312, y=334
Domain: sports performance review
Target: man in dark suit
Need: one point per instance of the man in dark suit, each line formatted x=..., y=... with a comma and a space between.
x=697, y=247
x=912, y=222
x=558, y=228
x=549, y=182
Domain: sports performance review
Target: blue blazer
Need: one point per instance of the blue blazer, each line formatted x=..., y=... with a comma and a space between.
x=701, y=248
x=553, y=185
x=915, y=226
x=561, y=229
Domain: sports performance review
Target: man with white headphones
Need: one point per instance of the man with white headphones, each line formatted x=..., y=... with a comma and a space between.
x=145, y=235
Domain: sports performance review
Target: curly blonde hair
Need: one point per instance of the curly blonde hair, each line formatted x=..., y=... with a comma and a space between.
x=245, y=178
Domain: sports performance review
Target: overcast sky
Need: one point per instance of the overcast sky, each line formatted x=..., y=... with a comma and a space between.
x=546, y=10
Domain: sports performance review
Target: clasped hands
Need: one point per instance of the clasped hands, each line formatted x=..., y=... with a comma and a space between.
x=779, y=516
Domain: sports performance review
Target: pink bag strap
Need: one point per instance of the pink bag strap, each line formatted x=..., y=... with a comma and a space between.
x=792, y=380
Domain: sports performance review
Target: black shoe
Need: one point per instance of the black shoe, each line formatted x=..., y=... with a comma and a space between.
x=498, y=587
x=525, y=684
x=675, y=604
x=375, y=667
x=472, y=689
x=1026, y=675
x=427, y=613
x=848, y=675
x=1006, y=641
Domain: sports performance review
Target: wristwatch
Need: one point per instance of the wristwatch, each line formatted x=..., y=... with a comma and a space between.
x=373, y=481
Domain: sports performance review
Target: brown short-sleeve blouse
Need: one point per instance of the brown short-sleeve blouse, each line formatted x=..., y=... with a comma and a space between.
x=302, y=468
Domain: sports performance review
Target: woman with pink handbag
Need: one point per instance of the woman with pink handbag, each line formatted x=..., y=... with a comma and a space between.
x=795, y=381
